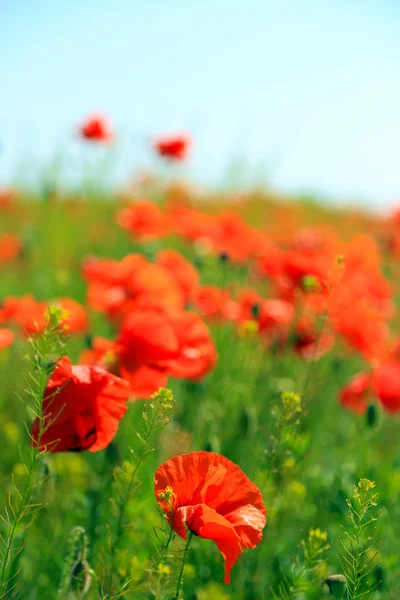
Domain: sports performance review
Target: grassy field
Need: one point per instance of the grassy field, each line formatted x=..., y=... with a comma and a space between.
x=271, y=404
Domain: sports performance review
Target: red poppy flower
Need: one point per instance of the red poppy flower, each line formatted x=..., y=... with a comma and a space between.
x=275, y=317
x=386, y=385
x=10, y=247
x=310, y=343
x=102, y=353
x=6, y=337
x=144, y=220
x=211, y=301
x=173, y=147
x=189, y=222
x=209, y=495
x=154, y=344
x=119, y=287
x=29, y=313
x=82, y=406
x=182, y=270
x=355, y=395
x=196, y=355
x=96, y=128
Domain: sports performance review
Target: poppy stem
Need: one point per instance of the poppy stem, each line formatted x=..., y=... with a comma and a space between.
x=184, y=558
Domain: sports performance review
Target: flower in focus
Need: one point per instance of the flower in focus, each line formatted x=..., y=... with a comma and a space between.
x=209, y=495
x=173, y=147
x=96, y=128
x=82, y=406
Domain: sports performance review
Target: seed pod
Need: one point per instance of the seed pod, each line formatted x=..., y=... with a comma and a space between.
x=81, y=577
x=337, y=585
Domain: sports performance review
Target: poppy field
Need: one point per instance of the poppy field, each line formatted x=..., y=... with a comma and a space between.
x=200, y=394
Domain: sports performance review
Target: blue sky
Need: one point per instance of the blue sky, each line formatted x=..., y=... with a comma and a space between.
x=303, y=93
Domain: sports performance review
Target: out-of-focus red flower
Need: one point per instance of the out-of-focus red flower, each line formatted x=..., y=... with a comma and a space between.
x=96, y=128
x=211, y=301
x=197, y=355
x=154, y=344
x=74, y=315
x=386, y=385
x=119, y=287
x=188, y=222
x=29, y=313
x=102, y=353
x=182, y=270
x=232, y=236
x=311, y=342
x=6, y=337
x=356, y=394
x=10, y=248
x=82, y=407
x=275, y=317
x=144, y=221
x=7, y=198
x=173, y=147
x=210, y=496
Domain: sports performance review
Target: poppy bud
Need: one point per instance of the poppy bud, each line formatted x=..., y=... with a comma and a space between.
x=248, y=422
x=373, y=415
x=23, y=252
x=212, y=445
x=310, y=283
x=379, y=574
x=255, y=311
x=223, y=257
x=337, y=585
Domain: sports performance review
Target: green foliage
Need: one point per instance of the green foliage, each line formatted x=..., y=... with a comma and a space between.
x=303, y=568
x=23, y=498
x=306, y=461
x=155, y=417
x=359, y=556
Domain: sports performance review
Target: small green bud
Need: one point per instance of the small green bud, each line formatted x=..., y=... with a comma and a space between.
x=310, y=283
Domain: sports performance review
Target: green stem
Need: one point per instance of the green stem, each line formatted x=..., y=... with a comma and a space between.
x=184, y=558
x=128, y=491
